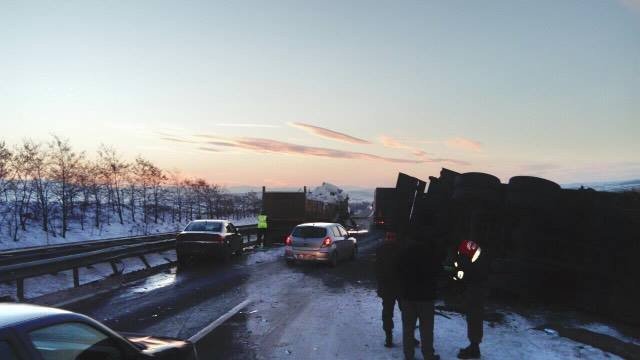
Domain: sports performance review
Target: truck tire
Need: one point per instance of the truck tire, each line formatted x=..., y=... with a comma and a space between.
x=475, y=187
x=530, y=192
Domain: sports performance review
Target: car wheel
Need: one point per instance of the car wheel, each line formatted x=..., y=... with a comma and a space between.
x=354, y=253
x=333, y=262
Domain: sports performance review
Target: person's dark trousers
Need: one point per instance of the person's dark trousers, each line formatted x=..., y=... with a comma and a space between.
x=475, y=298
x=260, y=237
x=411, y=312
x=388, y=305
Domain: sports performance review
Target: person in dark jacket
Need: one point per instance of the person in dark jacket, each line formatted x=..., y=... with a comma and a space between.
x=387, y=279
x=418, y=267
x=471, y=267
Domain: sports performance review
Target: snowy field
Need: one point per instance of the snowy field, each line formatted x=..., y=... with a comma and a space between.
x=34, y=236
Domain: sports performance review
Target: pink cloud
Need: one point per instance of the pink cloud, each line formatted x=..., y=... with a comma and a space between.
x=214, y=143
x=464, y=144
x=329, y=134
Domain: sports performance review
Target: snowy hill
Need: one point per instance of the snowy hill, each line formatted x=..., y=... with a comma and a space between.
x=614, y=186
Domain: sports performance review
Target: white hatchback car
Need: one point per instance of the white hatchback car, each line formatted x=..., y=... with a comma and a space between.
x=321, y=242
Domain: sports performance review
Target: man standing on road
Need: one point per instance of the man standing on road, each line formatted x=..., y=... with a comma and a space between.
x=387, y=279
x=418, y=267
x=262, y=229
x=471, y=268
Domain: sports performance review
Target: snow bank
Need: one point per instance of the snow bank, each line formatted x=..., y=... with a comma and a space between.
x=34, y=236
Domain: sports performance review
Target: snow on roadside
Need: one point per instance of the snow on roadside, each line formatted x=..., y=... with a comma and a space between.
x=48, y=284
x=264, y=256
x=357, y=313
x=34, y=236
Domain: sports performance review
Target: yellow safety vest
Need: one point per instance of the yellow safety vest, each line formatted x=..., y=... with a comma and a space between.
x=262, y=221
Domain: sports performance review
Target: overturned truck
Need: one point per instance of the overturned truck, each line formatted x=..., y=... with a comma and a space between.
x=576, y=247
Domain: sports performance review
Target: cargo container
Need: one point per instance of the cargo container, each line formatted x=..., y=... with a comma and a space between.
x=285, y=210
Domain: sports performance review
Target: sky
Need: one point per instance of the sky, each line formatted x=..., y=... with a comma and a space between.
x=292, y=93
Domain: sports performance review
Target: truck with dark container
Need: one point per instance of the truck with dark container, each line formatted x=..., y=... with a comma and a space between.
x=383, y=207
x=286, y=209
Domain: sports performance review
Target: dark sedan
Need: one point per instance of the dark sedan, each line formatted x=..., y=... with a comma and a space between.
x=208, y=239
x=43, y=333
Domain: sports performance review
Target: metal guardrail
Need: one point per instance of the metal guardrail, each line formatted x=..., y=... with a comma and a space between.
x=17, y=256
x=28, y=263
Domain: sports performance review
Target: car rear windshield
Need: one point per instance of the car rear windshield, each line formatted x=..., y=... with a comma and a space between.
x=212, y=226
x=309, y=232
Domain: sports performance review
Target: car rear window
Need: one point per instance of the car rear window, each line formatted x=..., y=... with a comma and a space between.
x=309, y=232
x=212, y=226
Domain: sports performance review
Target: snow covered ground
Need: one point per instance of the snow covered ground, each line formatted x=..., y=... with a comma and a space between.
x=34, y=236
x=353, y=331
x=47, y=284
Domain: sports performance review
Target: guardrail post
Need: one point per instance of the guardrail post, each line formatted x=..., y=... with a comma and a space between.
x=20, y=289
x=114, y=268
x=144, y=260
x=76, y=277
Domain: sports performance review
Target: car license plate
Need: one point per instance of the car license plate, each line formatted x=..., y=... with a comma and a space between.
x=304, y=257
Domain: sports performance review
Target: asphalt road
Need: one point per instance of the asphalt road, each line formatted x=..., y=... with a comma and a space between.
x=311, y=311
x=180, y=303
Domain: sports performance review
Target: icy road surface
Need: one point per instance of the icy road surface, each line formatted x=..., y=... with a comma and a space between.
x=311, y=312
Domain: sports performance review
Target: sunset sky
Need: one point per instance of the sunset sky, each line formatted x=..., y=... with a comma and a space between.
x=288, y=93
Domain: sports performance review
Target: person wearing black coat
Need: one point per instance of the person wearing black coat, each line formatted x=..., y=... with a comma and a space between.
x=418, y=266
x=387, y=280
x=471, y=267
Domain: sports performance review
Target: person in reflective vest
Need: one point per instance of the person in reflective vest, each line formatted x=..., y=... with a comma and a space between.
x=471, y=268
x=262, y=229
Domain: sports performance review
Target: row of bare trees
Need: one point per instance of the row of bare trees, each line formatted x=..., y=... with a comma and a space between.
x=54, y=187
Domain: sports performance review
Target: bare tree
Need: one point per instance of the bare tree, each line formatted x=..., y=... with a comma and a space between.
x=38, y=164
x=21, y=185
x=65, y=165
x=115, y=170
x=5, y=179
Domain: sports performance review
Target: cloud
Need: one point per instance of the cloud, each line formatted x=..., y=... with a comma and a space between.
x=464, y=144
x=275, y=146
x=329, y=134
x=248, y=125
x=208, y=149
x=214, y=143
x=178, y=140
x=388, y=141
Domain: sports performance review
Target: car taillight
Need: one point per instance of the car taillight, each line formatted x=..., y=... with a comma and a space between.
x=288, y=241
x=327, y=241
